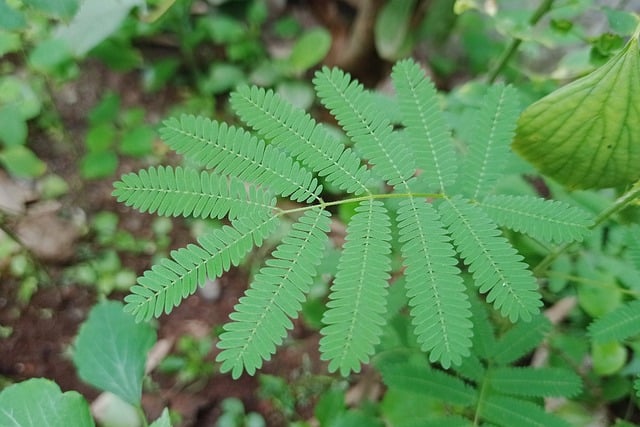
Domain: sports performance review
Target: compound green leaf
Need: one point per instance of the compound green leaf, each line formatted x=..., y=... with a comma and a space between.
x=498, y=270
x=186, y=192
x=618, y=324
x=438, y=299
x=428, y=382
x=539, y=382
x=428, y=134
x=520, y=340
x=262, y=317
x=355, y=314
x=547, y=220
x=509, y=412
x=294, y=130
x=39, y=402
x=587, y=133
x=111, y=351
x=172, y=279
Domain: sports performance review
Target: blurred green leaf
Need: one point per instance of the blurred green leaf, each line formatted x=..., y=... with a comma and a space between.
x=19, y=161
x=138, y=142
x=19, y=94
x=118, y=54
x=60, y=8
x=222, y=77
x=620, y=21
x=98, y=164
x=111, y=351
x=13, y=128
x=310, y=49
x=100, y=137
x=608, y=358
x=158, y=73
x=9, y=42
x=106, y=110
x=49, y=55
x=600, y=298
x=11, y=19
x=39, y=402
x=95, y=21
x=392, y=28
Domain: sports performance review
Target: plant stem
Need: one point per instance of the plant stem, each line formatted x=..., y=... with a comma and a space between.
x=622, y=202
x=325, y=205
x=544, y=7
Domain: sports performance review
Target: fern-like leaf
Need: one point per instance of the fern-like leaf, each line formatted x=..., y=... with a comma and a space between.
x=547, y=220
x=496, y=266
x=493, y=130
x=428, y=135
x=294, y=130
x=262, y=317
x=539, y=382
x=428, y=382
x=189, y=193
x=355, y=314
x=484, y=338
x=509, y=412
x=520, y=340
x=438, y=299
x=172, y=279
x=619, y=324
x=234, y=151
x=367, y=126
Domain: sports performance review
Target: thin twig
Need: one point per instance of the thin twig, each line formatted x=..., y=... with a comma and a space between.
x=544, y=7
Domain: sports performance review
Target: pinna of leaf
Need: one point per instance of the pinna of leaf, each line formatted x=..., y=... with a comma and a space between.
x=440, y=217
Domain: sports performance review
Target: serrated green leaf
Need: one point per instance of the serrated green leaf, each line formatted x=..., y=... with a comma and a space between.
x=582, y=135
x=111, y=351
x=13, y=128
x=39, y=402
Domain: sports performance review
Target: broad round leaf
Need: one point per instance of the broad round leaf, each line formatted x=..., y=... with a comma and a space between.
x=111, y=351
x=587, y=133
x=39, y=402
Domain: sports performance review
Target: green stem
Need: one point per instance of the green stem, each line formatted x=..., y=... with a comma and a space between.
x=622, y=202
x=544, y=7
x=325, y=205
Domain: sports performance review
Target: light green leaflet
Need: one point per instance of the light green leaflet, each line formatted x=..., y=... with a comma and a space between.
x=587, y=133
